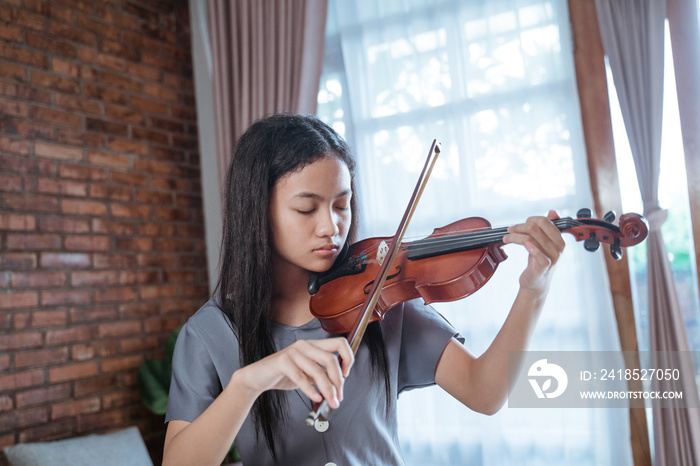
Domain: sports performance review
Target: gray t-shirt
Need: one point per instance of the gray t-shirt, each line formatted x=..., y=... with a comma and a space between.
x=359, y=431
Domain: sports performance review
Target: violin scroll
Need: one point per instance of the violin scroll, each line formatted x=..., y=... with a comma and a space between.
x=634, y=229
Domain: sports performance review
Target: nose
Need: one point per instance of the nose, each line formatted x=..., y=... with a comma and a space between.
x=328, y=221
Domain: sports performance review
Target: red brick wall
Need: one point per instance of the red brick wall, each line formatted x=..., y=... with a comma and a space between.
x=102, y=248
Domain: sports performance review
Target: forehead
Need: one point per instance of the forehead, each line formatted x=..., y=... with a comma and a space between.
x=325, y=177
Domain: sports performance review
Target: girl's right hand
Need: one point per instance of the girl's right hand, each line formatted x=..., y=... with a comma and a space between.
x=303, y=365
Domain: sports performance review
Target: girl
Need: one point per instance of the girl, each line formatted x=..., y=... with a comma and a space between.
x=249, y=365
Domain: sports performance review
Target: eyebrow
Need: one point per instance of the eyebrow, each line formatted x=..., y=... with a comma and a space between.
x=309, y=195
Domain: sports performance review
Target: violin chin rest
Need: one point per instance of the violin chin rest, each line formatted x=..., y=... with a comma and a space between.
x=314, y=283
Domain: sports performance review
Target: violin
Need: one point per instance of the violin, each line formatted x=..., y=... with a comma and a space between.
x=450, y=264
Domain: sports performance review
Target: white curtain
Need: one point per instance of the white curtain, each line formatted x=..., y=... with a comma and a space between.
x=494, y=82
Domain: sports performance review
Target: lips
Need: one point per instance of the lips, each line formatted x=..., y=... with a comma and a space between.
x=327, y=249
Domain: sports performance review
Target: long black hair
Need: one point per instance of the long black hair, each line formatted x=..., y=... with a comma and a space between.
x=268, y=150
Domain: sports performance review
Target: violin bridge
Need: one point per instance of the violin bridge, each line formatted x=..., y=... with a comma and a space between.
x=382, y=251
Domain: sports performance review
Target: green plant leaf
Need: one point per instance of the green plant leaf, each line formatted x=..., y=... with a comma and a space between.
x=170, y=345
x=154, y=378
x=152, y=384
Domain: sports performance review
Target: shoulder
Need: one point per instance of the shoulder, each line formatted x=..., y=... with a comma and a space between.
x=204, y=359
x=415, y=313
x=209, y=326
x=415, y=324
x=209, y=315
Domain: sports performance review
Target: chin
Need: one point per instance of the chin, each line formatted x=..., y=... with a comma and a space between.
x=321, y=266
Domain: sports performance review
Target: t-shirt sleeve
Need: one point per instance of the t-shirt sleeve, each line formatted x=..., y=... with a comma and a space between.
x=194, y=383
x=425, y=334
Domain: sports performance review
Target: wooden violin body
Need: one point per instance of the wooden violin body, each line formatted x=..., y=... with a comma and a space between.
x=445, y=277
x=450, y=264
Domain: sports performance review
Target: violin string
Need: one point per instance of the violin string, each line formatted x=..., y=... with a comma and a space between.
x=445, y=238
x=476, y=238
x=464, y=240
x=468, y=238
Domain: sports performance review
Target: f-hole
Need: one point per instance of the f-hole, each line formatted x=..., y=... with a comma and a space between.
x=368, y=286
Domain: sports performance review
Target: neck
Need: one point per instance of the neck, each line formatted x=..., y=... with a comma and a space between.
x=290, y=298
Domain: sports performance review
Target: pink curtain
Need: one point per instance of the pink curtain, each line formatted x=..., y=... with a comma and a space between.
x=633, y=38
x=267, y=57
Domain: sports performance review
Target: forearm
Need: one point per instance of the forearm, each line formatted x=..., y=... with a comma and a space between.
x=208, y=438
x=482, y=383
x=491, y=369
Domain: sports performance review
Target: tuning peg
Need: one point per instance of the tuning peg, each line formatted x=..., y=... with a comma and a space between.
x=591, y=244
x=610, y=216
x=616, y=250
x=583, y=213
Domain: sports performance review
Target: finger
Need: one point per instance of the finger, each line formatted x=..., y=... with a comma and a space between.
x=536, y=252
x=307, y=372
x=341, y=346
x=541, y=232
x=552, y=215
x=538, y=257
x=319, y=377
x=328, y=359
x=553, y=231
x=324, y=355
x=300, y=379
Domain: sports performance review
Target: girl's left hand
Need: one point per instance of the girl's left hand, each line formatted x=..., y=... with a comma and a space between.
x=544, y=244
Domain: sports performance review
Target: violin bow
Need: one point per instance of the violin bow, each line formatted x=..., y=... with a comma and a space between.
x=322, y=411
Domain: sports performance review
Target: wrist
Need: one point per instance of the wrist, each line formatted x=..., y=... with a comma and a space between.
x=532, y=299
x=238, y=384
